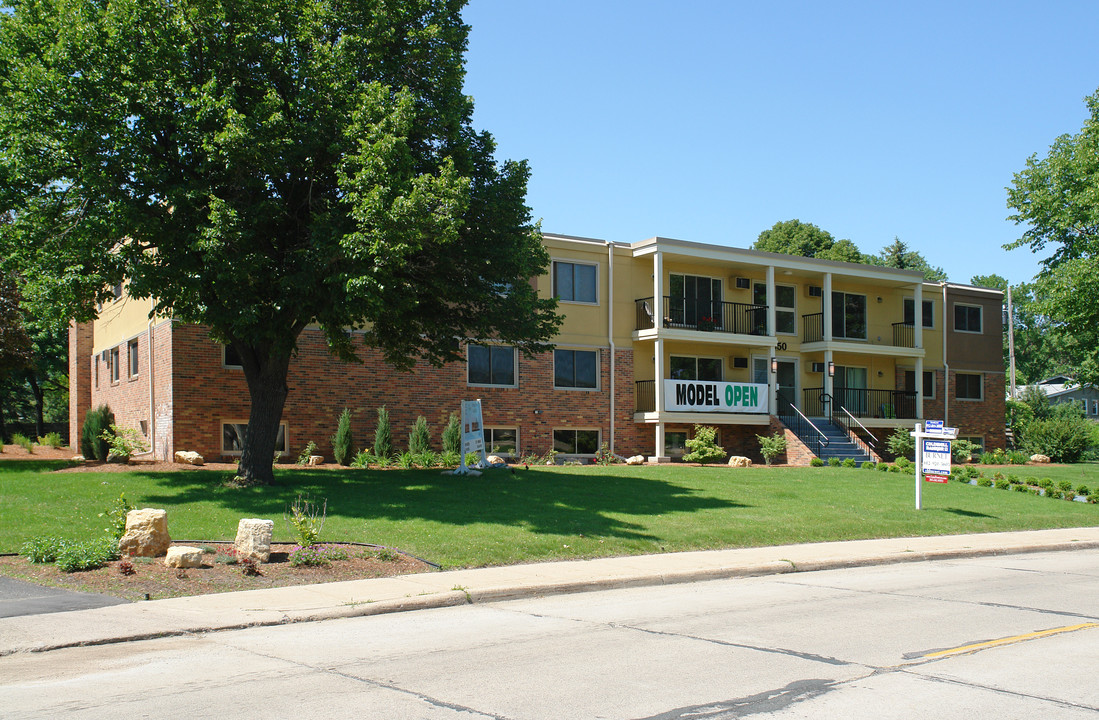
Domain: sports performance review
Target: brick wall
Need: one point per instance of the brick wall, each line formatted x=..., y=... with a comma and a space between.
x=204, y=394
x=80, y=379
x=981, y=417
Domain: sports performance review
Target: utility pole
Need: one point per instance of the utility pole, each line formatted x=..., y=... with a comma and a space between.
x=1011, y=340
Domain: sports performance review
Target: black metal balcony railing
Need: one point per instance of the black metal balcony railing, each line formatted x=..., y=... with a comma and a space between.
x=812, y=327
x=860, y=402
x=705, y=315
x=644, y=396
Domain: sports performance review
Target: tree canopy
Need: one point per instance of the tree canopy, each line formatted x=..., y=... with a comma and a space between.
x=261, y=166
x=793, y=237
x=899, y=255
x=1057, y=199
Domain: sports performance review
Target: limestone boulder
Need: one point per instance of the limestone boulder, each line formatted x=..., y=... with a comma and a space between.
x=188, y=457
x=77, y=458
x=113, y=457
x=635, y=460
x=254, y=539
x=316, y=459
x=183, y=556
x=1039, y=458
x=146, y=533
x=739, y=461
x=496, y=460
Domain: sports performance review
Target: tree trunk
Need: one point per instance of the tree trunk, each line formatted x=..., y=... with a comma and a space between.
x=267, y=389
x=39, y=401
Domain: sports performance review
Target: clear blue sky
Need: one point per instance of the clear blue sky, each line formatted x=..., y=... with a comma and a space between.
x=710, y=121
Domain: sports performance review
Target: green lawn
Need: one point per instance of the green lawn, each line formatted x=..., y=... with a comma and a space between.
x=543, y=513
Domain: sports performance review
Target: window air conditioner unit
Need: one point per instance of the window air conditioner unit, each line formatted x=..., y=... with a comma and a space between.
x=818, y=367
x=814, y=291
x=743, y=283
x=739, y=362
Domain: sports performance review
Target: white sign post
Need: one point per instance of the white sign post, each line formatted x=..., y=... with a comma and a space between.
x=932, y=453
x=473, y=437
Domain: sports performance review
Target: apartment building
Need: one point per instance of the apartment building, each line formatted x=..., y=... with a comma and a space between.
x=658, y=336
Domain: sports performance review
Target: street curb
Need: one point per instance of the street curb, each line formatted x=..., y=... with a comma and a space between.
x=539, y=588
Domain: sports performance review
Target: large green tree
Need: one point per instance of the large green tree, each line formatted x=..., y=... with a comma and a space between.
x=899, y=255
x=1057, y=199
x=794, y=237
x=261, y=166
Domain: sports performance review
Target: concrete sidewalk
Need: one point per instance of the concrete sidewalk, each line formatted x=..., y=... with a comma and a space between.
x=305, y=603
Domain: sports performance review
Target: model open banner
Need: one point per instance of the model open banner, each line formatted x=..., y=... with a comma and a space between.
x=708, y=396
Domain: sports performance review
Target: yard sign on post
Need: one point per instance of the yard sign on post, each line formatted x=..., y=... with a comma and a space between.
x=473, y=436
x=932, y=453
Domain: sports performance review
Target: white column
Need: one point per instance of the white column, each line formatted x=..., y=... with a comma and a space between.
x=770, y=301
x=826, y=307
x=772, y=382
x=919, y=383
x=659, y=452
x=658, y=347
x=829, y=381
x=918, y=319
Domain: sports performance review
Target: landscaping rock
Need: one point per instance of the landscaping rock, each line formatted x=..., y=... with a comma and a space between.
x=635, y=460
x=496, y=460
x=77, y=458
x=188, y=457
x=316, y=459
x=1039, y=458
x=113, y=457
x=183, y=556
x=739, y=461
x=146, y=533
x=254, y=539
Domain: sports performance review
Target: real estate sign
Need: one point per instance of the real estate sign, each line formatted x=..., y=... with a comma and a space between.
x=936, y=460
x=708, y=396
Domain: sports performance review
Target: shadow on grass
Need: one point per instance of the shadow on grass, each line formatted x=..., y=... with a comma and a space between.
x=970, y=513
x=540, y=501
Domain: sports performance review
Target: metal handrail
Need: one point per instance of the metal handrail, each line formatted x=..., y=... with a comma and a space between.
x=868, y=447
x=798, y=423
x=864, y=429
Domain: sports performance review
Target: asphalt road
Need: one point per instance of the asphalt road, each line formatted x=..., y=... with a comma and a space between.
x=992, y=637
x=24, y=598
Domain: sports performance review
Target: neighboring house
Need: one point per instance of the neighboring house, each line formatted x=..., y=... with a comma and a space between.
x=658, y=335
x=1062, y=389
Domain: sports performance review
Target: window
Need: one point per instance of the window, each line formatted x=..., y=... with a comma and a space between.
x=114, y=364
x=675, y=443
x=1095, y=407
x=977, y=440
x=969, y=387
x=232, y=438
x=229, y=357
x=117, y=291
x=785, y=306
x=576, y=442
x=576, y=369
x=967, y=318
x=574, y=282
x=695, y=298
x=131, y=356
x=928, y=383
x=502, y=441
x=848, y=316
x=96, y=363
x=491, y=365
x=692, y=368
x=928, y=316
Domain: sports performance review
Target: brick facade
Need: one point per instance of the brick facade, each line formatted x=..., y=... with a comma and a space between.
x=80, y=379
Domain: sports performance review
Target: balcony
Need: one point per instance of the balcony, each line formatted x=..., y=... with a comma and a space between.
x=812, y=330
x=644, y=396
x=704, y=316
x=862, y=403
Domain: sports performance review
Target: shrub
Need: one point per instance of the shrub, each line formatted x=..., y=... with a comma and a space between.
x=87, y=555
x=849, y=462
x=23, y=441
x=834, y=462
x=998, y=475
x=972, y=472
x=985, y=482
x=895, y=468
x=306, y=520
x=703, y=448
x=869, y=465
x=816, y=462
x=92, y=444
x=309, y=449
x=1017, y=457
x=419, y=440
x=316, y=555
x=904, y=463
x=987, y=458
x=1045, y=483
x=452, y=435
x=1014, y=480
x=883, y=467
x=383, y=440
x=450, y=458
x=1022, y=488
x=604, y=456
x=1083, y=490
x=901, y=444
x=962, y=450
x=406, y=460
x=1064, y=486
x=42, y=549
x=425, y=459
x=472, y=458
x=1064, y=438
x=771, y=446
x=1002, y=484
x=1030, y=480
x=341, y=440
x=123, y=442
x=362, y=459
x=51, y=439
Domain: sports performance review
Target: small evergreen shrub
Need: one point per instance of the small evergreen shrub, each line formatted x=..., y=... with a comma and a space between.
x=984, y=482
x=341, y=440
x=1083, y=490
x=419, y=440
x=895, y=468
x=92, y=444
x=883, y=467
x=1021, y=488
x=383, y=440
x=1002, y=485
x=452, y=435
x=849, y=462
x=1064, y=486
x=1045, y=483
x=869, y=465
x=904, y=463
x=816, y=462
x=901, y=444
x=834, y=462
x=703, y=447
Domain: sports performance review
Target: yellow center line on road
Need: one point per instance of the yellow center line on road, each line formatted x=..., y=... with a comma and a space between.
x=1009, y=640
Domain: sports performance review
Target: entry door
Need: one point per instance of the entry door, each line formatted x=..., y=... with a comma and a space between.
x=786, y=379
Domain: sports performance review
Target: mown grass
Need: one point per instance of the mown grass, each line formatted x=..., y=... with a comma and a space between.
x=542, y=513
